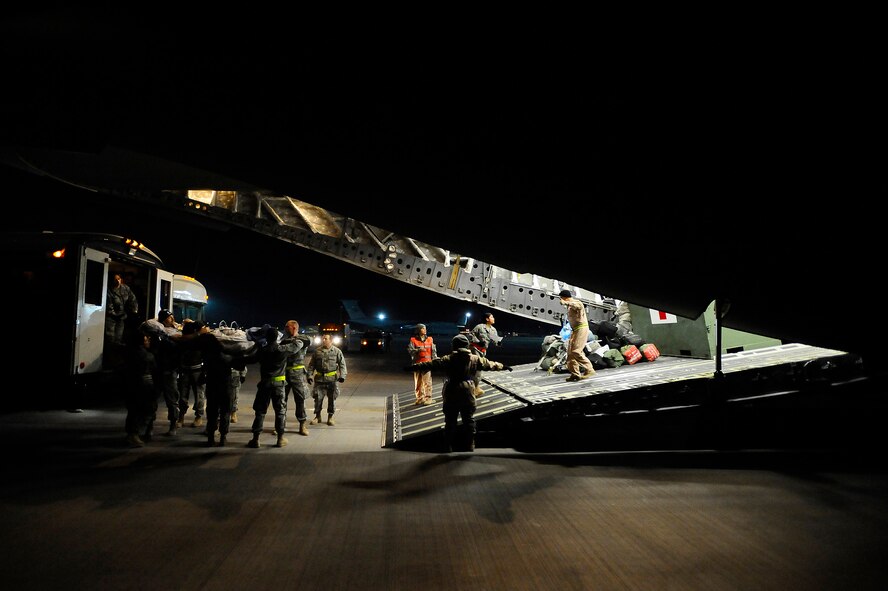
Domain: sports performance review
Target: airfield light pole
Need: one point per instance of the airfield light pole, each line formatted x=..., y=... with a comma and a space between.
x=468, y=315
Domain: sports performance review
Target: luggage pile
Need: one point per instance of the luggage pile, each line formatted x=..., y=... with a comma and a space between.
x=609, y=345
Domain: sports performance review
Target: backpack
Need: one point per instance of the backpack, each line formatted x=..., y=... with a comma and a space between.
x=631, y=338
x=613, y=358
x=650, y=351
x=631, y=354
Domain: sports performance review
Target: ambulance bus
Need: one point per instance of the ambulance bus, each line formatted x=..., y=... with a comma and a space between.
x=56, y=299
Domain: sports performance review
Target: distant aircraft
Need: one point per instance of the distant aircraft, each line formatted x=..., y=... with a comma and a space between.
x=360, y=321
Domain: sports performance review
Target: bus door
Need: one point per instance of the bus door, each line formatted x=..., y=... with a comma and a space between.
x=89, y=323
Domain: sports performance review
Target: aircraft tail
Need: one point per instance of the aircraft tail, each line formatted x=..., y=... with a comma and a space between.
x=355, y=314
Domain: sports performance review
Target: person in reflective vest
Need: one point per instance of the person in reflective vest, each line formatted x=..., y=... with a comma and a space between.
x=297, y=375
x=579, y=333
x=421, y=348
x=272, y=356
x=326, y=369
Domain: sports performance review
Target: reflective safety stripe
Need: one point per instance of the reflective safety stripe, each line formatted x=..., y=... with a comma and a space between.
x=330, y=373
x=296, y=367
x=279, y=379
x=583, y=325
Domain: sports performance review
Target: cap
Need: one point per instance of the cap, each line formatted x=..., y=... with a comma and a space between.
x=565, y=293
x=163, y=314
x=460, y=341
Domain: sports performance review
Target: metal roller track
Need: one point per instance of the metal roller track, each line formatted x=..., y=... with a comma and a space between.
x=645, y=386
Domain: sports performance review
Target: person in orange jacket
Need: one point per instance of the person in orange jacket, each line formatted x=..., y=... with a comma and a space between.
x=422, y=348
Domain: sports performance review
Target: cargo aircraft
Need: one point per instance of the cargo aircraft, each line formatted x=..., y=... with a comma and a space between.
x=361, y=322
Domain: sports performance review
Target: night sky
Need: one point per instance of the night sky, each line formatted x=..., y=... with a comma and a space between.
x=666, y=173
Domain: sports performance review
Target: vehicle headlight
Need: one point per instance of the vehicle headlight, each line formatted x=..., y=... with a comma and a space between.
x=317, y=340
x=337, y=340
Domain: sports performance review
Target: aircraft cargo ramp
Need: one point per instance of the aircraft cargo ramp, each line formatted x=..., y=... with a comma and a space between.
x=629, y=405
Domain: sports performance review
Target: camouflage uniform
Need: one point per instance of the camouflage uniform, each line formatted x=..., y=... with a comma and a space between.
x=297, y=377
x=327, y=369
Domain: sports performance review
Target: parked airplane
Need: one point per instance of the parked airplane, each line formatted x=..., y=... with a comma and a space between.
x=360, y=321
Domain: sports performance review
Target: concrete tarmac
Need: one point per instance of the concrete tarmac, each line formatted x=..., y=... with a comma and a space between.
x=335, y=510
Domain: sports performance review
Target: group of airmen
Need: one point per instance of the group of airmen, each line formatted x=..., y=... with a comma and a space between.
x=462, y=370
x=463, y=367
x=177, y=362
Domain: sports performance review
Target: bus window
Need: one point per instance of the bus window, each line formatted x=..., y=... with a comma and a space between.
x=95, y=280
x=166, y=290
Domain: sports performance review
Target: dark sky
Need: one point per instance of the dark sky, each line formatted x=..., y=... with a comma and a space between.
x=672, y=173
x=251, y=278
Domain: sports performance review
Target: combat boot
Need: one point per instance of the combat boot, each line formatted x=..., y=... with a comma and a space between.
x=211, y=440
x=315, y=420
x=330, y=420
x=234, y=417
x=282, y=441
x=302, y=429
x=172, y=431
x=222, y=440
x=181, y=421
x=148, y=436
x=198, y=422
x=133, y=440
x=254, y=442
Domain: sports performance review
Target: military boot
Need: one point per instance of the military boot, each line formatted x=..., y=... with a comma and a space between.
x=133, y=440
x=181, y=421
x=315, y=420
x=173, y=429
x=222, y=440
x=281, y=442
x=211, y=439
x=198, y=422
x=330, y=420
x=302, y=429
x=254, y=442
x=234, y=417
